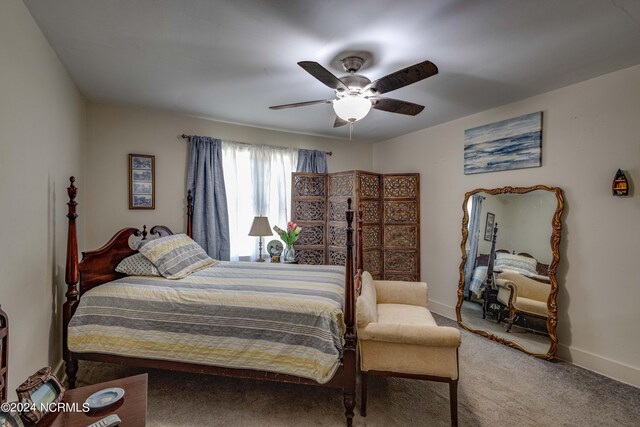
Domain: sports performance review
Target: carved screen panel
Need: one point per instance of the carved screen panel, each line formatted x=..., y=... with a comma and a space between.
x=401, y=236
x=373, y=262
x=400, y=212
x=310, y=256
x=369, y=192
x=391, y=220
x=342, y=185
x=309, y=210
x=312, y=235
x=401, y=186
x=365, y=189
x=371, y=211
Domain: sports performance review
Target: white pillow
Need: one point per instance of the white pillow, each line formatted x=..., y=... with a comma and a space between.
x=176, y=256
x=518, y=263
x=137, y=265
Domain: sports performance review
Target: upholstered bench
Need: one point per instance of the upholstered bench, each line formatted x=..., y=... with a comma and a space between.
x=399, y=337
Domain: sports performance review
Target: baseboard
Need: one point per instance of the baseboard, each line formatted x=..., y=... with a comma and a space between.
x=442, y=309
x=599, y=364
x=59, y=372
x=592, y=362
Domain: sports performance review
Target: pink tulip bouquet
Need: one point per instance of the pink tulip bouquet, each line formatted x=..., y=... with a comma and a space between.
x=290, y=236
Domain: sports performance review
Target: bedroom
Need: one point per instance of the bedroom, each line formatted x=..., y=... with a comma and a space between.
x=78, y=97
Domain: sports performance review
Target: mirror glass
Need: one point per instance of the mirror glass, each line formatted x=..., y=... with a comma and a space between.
x=507, y=288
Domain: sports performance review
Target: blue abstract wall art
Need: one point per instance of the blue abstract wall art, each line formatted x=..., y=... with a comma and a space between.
x=509, y=144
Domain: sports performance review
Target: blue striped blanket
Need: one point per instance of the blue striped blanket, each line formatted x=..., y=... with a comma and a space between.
x=477, y=280
x=275, y=317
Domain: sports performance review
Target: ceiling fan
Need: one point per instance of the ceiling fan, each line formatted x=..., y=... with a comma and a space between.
x=356, y=94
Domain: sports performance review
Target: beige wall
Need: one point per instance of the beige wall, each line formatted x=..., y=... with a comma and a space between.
x=497, y=207
x=524, y=223
x=528, y=223
x=42, y=132
x=590, y=130
x=116, y=131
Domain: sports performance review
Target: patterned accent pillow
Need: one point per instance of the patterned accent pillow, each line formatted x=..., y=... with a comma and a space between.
x=176, y=256
x=518, y=263
x=137, y=265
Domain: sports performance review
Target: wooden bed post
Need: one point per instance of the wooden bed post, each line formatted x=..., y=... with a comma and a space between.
x=359, y=255
x=189, y=214
x=71, y=278
x=349, y=353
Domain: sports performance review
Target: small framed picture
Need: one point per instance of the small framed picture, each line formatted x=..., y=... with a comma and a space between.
x=488, y=228
x=142, y=194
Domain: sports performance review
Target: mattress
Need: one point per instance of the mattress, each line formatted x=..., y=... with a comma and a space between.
x=271, y=317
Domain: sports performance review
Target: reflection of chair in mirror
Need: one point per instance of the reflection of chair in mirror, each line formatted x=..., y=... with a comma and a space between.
x=398, y=337
x=522, y=295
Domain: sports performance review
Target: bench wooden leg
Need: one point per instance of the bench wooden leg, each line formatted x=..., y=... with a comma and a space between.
x=363, y=394
x=453, y=402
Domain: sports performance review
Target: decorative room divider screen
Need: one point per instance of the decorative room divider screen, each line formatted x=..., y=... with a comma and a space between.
x=390, y=206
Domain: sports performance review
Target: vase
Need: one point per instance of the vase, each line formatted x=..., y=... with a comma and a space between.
x=289, y=254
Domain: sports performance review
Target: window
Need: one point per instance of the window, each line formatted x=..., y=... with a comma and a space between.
x=258, y=182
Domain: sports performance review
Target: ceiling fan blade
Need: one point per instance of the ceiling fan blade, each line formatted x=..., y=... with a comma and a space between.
x=322, y=74
x=301, y=104
x=339, y=122
x=396, y=106
x=403, y=77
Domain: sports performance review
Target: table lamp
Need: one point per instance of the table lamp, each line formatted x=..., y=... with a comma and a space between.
x=260, y=228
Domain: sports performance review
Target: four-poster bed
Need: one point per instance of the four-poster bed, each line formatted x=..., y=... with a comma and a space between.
x=98, y=267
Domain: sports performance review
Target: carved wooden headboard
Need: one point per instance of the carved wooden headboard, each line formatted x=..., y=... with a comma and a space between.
x=4, y=354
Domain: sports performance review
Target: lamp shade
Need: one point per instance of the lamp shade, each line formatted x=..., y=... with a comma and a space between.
x=260, y=227
x=352, y=107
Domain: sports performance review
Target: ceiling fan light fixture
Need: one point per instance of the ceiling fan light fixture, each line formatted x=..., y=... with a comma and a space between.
x=352, y=108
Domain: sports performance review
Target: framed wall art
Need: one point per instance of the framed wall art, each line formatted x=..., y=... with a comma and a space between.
x=142, y=192
x=488, y=227
x=509, y=144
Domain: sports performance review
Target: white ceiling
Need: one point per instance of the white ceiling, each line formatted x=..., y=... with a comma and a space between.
x=231, y=60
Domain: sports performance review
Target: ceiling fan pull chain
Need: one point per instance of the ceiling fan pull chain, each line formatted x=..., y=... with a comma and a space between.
x=350, y=129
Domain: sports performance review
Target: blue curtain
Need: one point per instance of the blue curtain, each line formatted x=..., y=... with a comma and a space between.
x=312, y=161
x=474, y=237
x=205, y=179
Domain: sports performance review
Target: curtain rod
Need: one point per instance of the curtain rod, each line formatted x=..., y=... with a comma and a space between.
x=185, y=136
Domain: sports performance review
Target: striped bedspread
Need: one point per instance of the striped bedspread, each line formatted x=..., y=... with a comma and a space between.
x=275, y=317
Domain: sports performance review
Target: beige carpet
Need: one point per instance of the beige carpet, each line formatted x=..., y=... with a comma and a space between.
x=498, y=387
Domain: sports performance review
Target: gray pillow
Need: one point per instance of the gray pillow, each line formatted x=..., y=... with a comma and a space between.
x=137, y=265
x=176, y=256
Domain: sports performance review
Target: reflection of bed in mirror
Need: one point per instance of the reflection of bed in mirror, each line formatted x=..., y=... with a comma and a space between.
x=504, y=258
x=507, y=288
x=542, y=270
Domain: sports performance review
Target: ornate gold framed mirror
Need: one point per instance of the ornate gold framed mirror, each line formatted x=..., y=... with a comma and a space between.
x=510, y=253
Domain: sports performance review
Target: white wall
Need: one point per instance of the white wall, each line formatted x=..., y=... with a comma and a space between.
x=590, y=130
x=42, y=132
x=116, y=131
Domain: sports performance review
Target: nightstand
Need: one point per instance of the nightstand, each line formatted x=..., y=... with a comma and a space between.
x=132, y=408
